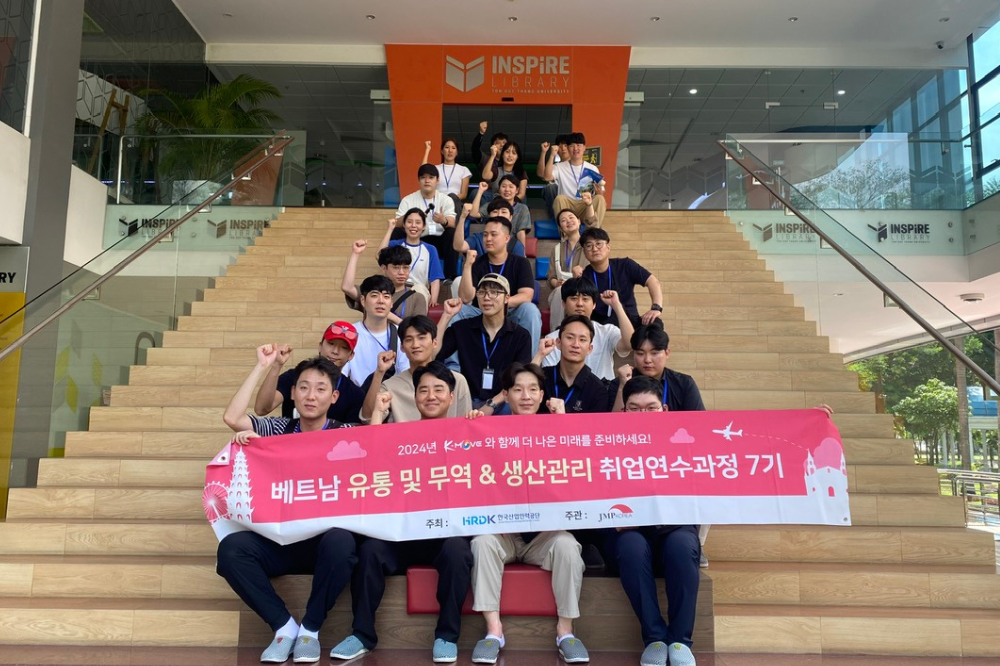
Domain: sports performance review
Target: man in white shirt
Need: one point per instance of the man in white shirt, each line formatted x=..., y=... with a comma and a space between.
x=611, y=344
x=574, y=177
x=440, y=211
x=375, y=333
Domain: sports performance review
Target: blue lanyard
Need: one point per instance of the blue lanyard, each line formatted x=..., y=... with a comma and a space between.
x=447, y=178
x=555, y=383
x=420, y=249
x=666, y=389
x=489, y=352
x=384, y=347
x=502, y=266
x=610, y=282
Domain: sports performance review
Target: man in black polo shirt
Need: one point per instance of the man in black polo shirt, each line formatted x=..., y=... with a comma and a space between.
x=620, y=274
x=485, y=344
x=515, y=270
x=650, y=348
x=570, y=379
x=337, y=346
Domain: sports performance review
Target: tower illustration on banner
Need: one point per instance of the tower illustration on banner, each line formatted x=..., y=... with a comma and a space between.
x=240, y=500
x=826, y=474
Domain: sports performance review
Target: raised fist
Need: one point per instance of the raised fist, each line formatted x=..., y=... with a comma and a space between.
x=470, y=257
x=577, y=271
x=452, y=306
x=545, y=147
x=386, y=360
x=360, y=245
x=546, y=346
x=587, y=198
x=556, y=405
x=427, y=145
x=624, y=374
x=610, y=297
x=284, y=351
x=483, y=185
x=267, y=354
x=383, y=401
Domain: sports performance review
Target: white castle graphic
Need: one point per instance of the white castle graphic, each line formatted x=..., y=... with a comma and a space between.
x=235, y=501
x=826, y=476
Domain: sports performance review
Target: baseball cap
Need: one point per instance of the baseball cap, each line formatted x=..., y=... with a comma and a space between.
x=341, y=330
x=495, y=278
x=427, y=170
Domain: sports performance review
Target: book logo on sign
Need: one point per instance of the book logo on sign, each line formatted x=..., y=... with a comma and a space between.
x=465, y=76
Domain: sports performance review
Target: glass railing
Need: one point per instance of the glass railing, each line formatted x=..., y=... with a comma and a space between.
x=52, y=381
x=162, y=169
x=838, y=267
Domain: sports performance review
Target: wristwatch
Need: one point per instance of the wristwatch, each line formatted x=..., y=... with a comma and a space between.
x=492, y=405
x=657, y=307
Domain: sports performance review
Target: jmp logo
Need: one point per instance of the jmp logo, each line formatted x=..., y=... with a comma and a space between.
x=616, y=512
x=767, y=231
x=465, y=76
x=882, y=230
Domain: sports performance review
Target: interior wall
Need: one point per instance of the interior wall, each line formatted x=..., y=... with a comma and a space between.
x=15, y=148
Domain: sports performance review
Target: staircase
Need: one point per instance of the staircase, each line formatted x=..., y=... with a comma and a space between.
x=112, y=547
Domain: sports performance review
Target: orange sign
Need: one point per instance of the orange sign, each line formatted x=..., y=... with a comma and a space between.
x=422, y=79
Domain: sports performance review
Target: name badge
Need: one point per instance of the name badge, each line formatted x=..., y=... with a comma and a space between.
x=488, y=379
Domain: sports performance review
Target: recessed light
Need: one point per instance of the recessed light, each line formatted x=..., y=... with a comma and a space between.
x=693, y=91
x=654, y=19
x=841, y=92
x=512, y=18
x=370, y=17
x=793, y=19
x=228, y=15
x=943, y=19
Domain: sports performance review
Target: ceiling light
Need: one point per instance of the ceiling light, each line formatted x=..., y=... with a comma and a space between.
x=370, y=17
x=793, y=19
x=654, y=19
x=972, y=298
x=228, y=15
x=841, y=92
x=693, y=91
x=512, y=18
x=943, y=19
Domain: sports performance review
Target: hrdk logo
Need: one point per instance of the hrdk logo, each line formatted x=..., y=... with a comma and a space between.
x=465, y=76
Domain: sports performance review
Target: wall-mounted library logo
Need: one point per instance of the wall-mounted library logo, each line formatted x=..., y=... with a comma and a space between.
x=465, y=76
x=786, y=232
x=910, y=232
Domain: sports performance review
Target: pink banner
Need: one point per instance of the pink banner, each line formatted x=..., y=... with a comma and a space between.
x=431, y=479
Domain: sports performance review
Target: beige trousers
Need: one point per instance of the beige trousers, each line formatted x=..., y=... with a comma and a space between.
x=558, y=552
x=562, y=202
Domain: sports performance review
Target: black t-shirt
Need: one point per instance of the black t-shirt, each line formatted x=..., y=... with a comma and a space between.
x=623, y=275
x=516, y=269
x=682, y=392
x=347, y=408
x=587, y=395
x=469, y=338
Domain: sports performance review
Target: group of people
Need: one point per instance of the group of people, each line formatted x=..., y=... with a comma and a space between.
x=484, y=357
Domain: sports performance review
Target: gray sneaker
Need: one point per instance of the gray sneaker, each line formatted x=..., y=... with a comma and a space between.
x=680, y=655
x=278, y=651
x=306, y=650
x=444, y=652
x=655, y=654
x=703, y=561
x=573, y=651
x=487, y=651
x=349, y=648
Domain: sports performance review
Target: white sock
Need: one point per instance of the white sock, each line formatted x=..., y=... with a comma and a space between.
x=290, y=630
x=499, y=638
x=560, y=639
x=308, y=632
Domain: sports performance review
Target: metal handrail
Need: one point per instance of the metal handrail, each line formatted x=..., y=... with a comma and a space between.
x=769, y=184
x=964, y=483
x=271, y=149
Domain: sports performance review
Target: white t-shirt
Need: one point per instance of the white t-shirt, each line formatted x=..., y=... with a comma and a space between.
x=442, y=203
x=366, y=354
x=450, y=177
x=573, y=179
x=601, y=361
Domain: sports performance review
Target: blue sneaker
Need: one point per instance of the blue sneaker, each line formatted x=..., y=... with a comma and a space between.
x=445, y=652
x=349, y=648
x=655, y=654
x=680, y=655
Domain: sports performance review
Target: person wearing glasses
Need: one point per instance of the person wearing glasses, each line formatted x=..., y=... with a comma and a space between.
x=410, y=297
x=337, y=346
x=671, y=551
x=487, y=344
x=556, y=551
x=516, y=271
x=247, y=560
x=440, y=211
x=570, y=380
x=620, y=274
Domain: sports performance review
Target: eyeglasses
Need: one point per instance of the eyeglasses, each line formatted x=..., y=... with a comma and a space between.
x=490, y=294
x=595, y=245
x=647, y=408
x=340, y=330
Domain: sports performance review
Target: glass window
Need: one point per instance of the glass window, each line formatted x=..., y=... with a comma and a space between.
x=902, y=118
x=986, y=52
x=16, y=19
x=991, y=144
x=927, y=102
x=989, y=100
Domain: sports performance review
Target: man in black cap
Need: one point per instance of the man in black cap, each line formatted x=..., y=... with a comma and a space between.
x=440, y=211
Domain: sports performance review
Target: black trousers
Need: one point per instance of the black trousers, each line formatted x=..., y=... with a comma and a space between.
x=248, y=561
x=377, y=559
x=642, y=554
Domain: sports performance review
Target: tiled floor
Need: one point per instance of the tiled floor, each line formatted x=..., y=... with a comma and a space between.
x=81, y=656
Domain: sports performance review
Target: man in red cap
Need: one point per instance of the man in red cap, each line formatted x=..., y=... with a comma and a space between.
x=337, y=345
